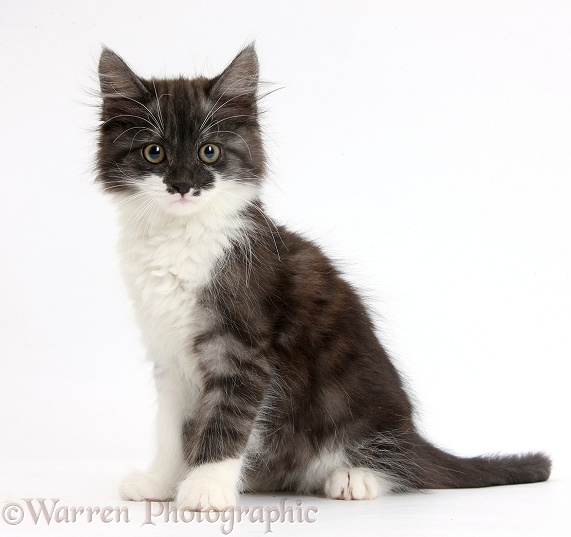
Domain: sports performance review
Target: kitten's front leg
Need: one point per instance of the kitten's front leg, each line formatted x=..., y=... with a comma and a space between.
x=159, y=482
x=217, y=440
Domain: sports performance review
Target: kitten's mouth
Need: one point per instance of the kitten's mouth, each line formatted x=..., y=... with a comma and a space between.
x=182, y=204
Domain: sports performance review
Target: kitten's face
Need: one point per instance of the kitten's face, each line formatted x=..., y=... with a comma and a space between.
x=181, y=145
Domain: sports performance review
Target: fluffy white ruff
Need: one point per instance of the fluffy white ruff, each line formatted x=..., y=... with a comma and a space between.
x=167, y=258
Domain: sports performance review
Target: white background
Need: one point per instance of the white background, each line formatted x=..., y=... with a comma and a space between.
x=426, y=145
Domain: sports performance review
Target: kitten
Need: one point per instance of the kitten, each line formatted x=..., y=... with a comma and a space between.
x=267, y=368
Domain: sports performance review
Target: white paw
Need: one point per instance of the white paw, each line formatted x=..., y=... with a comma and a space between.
x=351, y=484
x=140, y=486
x=210, y=486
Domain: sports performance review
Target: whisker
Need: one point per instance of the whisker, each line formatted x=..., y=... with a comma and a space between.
x=236, y=134
x=159, y=113
x=130, y=129
x=269, y=222
x=157, y=125
x=211, y=125
x=212, y=111
x=154, y=129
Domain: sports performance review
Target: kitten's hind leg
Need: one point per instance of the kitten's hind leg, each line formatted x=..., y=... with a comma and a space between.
x=355, y=484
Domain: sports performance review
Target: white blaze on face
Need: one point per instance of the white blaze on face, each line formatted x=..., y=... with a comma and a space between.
x=226, y=197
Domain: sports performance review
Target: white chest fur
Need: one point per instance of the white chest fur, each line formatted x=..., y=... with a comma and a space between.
x=166, y=262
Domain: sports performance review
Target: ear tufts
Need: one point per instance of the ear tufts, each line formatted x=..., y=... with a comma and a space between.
x=241, y=77
x=116, y=78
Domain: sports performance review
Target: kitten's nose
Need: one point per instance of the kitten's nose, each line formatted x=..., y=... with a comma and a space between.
x=181, y=188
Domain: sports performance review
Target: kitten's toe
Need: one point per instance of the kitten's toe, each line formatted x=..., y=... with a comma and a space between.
x=201, y=495
x=362, y=484
x=352, y=484
x=203, y=489
x=337, y=485
x=140, y=486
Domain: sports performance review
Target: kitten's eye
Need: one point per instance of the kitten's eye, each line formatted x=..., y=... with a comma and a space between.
x=209, y=153
x=154, y=153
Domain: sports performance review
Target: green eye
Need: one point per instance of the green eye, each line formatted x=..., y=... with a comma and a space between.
x=154, y=153
x=209, y=153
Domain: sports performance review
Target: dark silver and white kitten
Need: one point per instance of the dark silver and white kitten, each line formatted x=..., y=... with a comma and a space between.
x=268, y=371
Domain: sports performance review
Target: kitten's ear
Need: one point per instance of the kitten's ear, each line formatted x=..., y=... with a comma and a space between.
x=240, y=78
x=117, y=79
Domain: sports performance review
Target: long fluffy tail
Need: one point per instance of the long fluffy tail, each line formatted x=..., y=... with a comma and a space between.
x=436, y=469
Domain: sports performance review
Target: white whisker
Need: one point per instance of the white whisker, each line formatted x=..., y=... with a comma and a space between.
x=156, y=124
x=241, y=137
x=132, y=128
x=154, y=127
x=213, y=111
x=211, y=125
x=159, y=112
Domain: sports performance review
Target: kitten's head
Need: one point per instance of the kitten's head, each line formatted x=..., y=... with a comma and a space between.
x=184, y=143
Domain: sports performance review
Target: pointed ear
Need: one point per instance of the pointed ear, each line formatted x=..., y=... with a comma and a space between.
x=241, y=77
x=116, y=78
